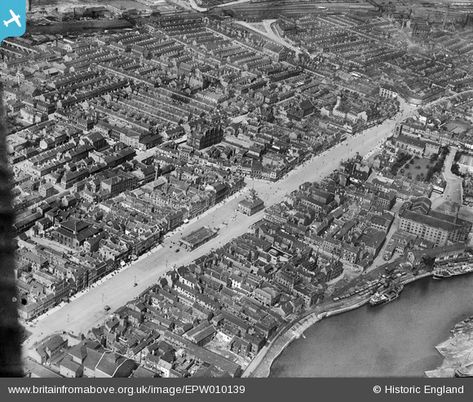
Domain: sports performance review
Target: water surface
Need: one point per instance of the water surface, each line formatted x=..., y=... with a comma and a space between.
x=395, y=339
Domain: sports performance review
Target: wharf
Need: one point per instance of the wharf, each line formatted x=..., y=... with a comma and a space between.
x=260, y=367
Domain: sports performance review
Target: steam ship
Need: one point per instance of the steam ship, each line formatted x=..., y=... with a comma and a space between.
x=386, y=296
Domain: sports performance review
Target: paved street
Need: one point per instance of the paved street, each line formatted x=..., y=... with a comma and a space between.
x=379, y=260
x=87, y=310
x=453, y=191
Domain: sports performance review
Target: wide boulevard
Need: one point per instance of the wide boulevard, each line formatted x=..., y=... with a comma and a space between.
x=87, y=310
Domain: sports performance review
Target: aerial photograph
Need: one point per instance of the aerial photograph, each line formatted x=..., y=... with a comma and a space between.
x=237, y=189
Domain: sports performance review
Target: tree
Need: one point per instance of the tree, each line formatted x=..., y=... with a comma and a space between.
x=428, y=262
x=456, y=169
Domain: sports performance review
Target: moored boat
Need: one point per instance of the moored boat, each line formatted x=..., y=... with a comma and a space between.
x=386, y=296
x=441, y=273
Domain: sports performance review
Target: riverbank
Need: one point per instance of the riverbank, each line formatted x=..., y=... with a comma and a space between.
x=260, y=367
x=457, y=352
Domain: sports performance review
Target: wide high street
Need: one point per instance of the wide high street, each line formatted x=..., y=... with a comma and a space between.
x=87, y=310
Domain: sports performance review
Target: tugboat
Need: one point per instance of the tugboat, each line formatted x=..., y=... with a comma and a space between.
x=386, y=296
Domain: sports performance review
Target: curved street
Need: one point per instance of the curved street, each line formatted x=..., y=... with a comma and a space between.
x=453, y=192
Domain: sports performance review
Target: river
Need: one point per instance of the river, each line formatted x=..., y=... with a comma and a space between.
x=395, y=339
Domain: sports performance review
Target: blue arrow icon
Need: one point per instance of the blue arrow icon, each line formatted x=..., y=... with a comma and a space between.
x=12, y=18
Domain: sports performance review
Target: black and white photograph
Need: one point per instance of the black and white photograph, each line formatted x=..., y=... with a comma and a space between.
x=217, y=189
